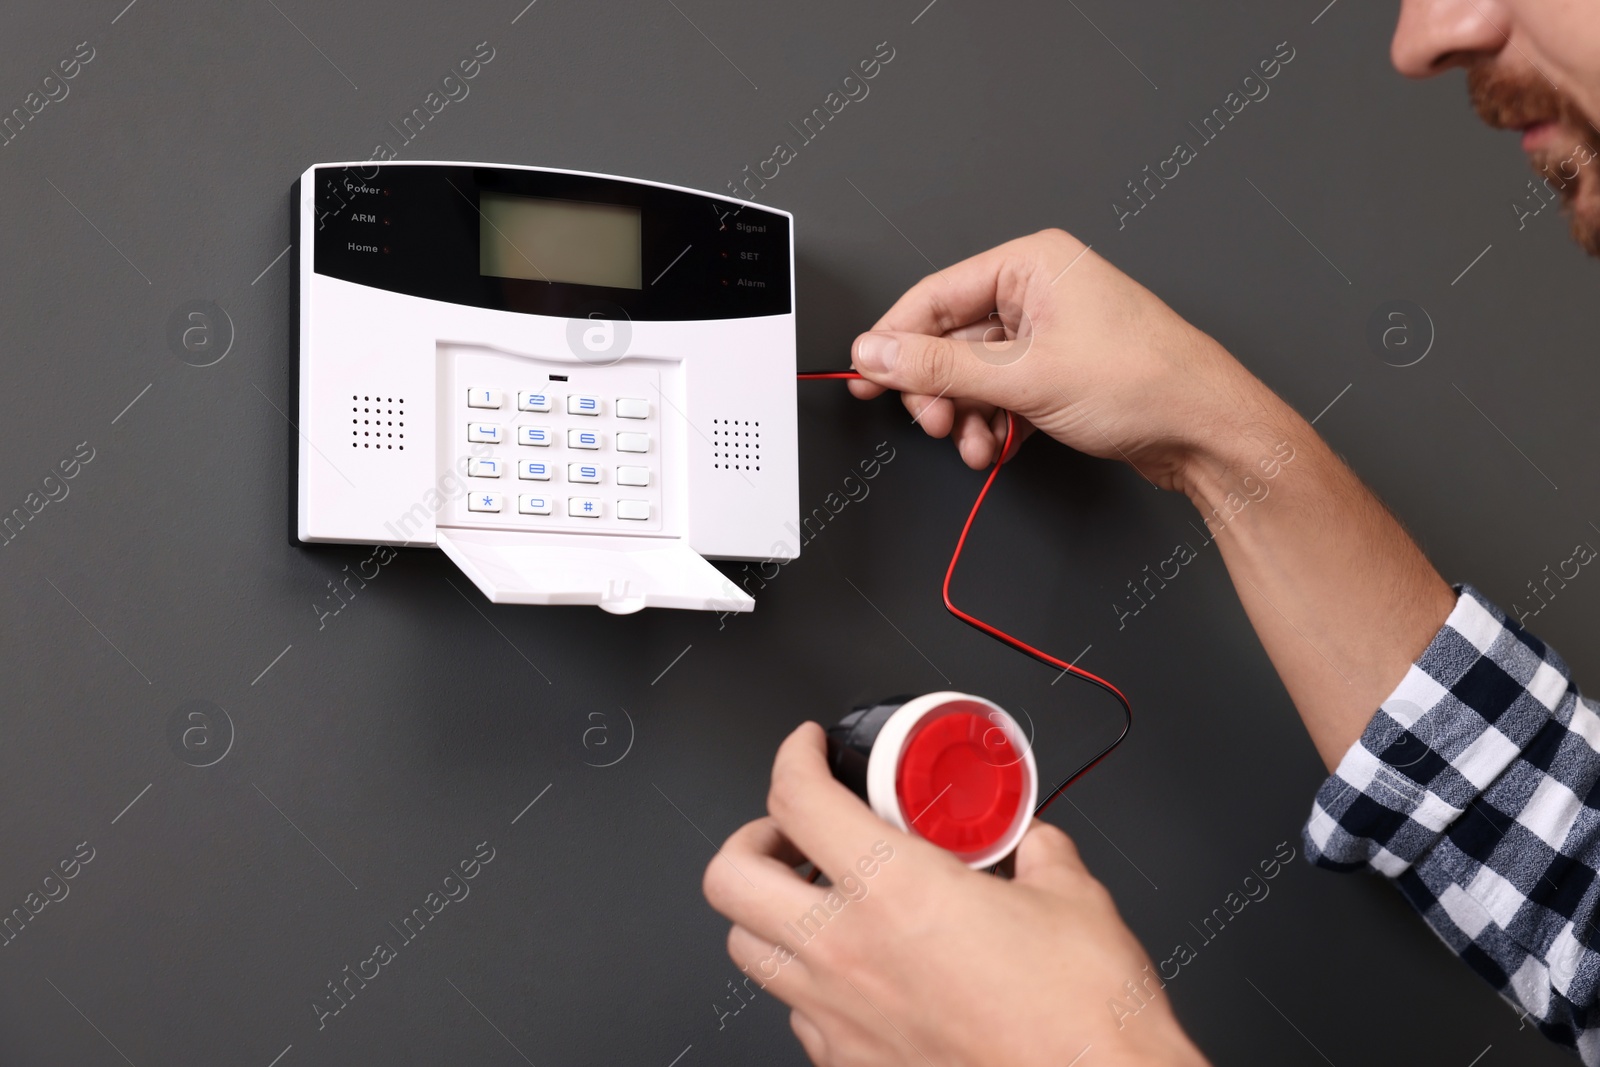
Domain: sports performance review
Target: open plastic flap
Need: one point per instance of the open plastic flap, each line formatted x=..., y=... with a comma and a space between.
x=620, y=574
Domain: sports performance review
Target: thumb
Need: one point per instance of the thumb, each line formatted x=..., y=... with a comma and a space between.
x=939, y=366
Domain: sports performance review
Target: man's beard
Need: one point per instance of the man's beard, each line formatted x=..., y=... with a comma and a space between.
x=1571, y=159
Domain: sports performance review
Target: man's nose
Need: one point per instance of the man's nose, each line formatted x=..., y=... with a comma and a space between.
x=1434, y=35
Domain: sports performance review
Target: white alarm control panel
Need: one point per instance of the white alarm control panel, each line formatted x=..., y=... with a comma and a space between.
x=578, y=386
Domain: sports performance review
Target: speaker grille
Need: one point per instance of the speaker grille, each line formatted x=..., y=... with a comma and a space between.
x=378, y=422
x=736, y=444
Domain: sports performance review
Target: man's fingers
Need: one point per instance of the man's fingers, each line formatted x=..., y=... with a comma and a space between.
x=965, y=292
x=935, y=414
x=829, y=823
x=773, y=966
x=811, y=1038
x=753, y=883
x=1047, y=857
x=974, y=438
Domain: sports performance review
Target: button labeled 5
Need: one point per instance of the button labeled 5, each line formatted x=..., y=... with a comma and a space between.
x=534, y=435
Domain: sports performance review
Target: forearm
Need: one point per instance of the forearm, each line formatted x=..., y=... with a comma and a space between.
x=1341, y=597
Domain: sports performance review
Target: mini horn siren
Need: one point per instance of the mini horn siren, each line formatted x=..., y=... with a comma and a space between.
x=953, y=768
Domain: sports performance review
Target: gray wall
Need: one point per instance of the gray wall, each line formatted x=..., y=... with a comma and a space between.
x=363, y=756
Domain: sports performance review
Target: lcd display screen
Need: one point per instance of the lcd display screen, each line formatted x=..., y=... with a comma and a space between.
x=559, y=241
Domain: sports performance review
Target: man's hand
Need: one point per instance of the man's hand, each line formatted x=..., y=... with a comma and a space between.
x=1047, y=329
x=911, y=958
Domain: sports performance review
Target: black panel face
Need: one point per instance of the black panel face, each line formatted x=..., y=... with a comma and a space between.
x=415, y=230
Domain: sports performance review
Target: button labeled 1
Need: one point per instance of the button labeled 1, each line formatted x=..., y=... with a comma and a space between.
x=484, y=398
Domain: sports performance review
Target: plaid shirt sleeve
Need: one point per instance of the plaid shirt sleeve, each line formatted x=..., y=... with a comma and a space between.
x=1476, y=788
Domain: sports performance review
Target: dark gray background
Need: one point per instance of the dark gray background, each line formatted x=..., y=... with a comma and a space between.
x=419, y=721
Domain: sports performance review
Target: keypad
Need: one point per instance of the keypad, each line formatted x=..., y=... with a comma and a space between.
x=599, y=451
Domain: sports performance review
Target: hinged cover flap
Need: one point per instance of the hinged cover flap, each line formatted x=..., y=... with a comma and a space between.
x=620, y=574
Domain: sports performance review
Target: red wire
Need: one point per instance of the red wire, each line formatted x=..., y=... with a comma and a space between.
x=994, y=631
